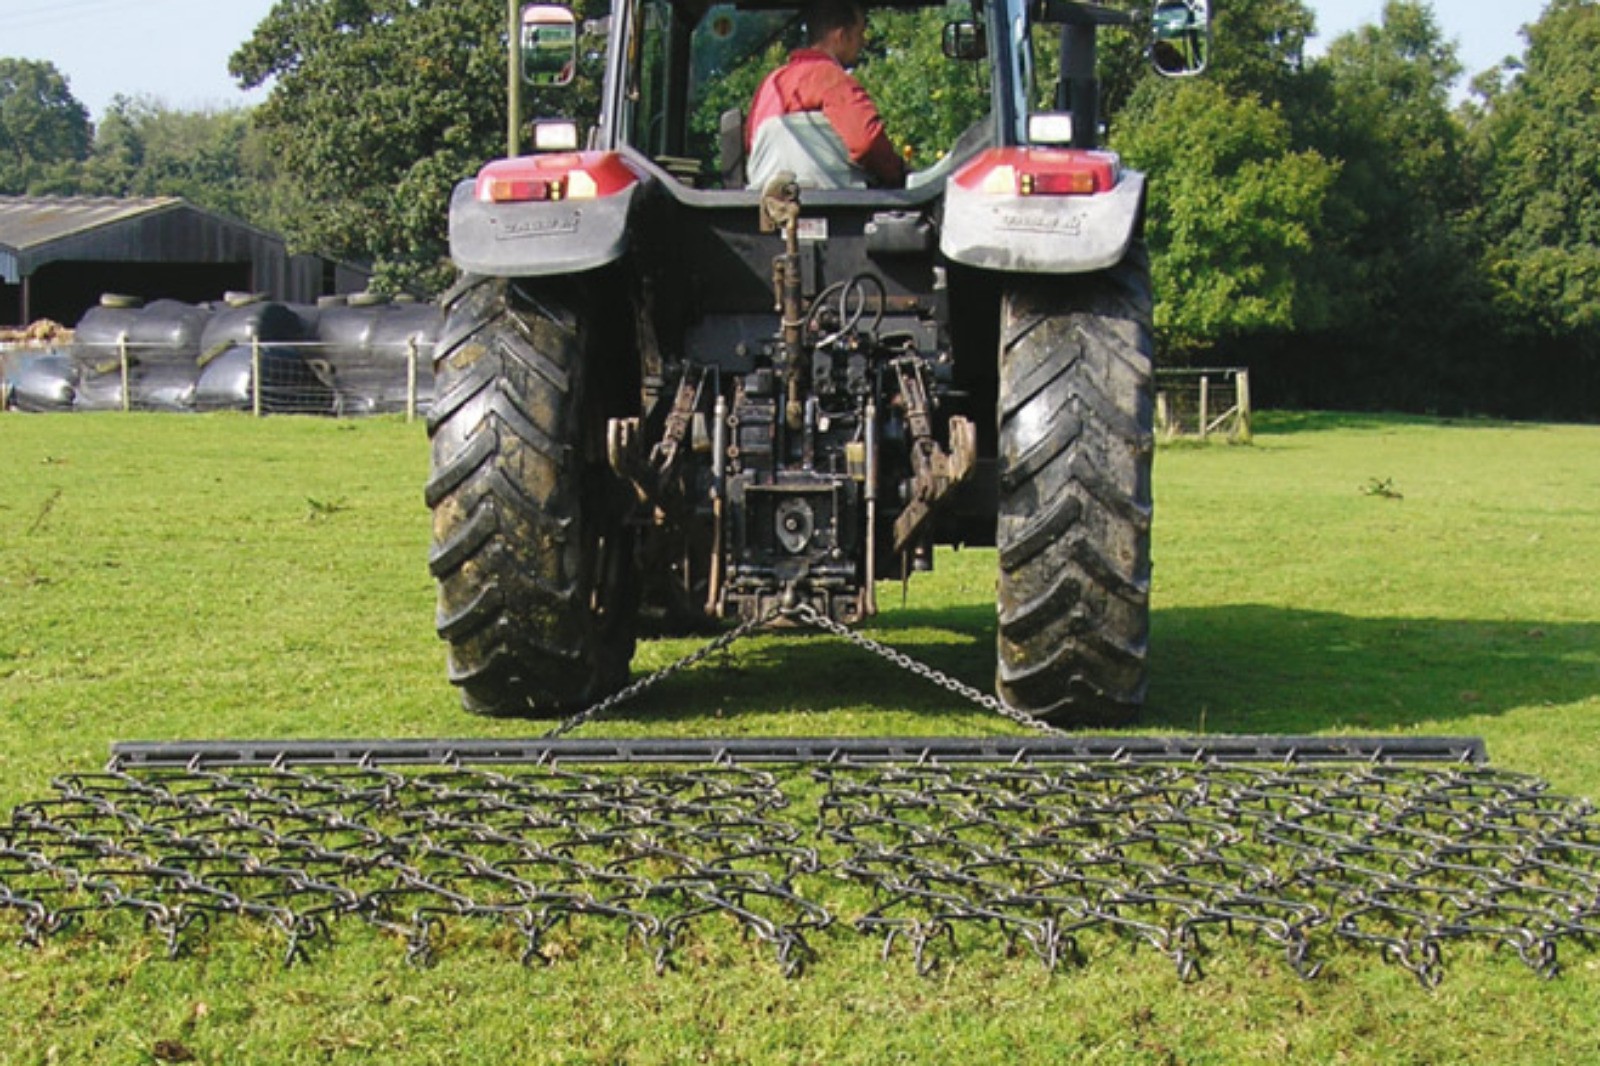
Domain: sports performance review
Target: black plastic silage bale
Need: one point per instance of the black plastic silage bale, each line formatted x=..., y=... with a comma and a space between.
x=373, y=348
x=41, y=381
x=290, y=378
x=151, y=351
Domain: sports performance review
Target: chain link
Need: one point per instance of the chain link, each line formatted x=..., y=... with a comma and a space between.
x=813, y=617
x=644, y=684
x=808, y=615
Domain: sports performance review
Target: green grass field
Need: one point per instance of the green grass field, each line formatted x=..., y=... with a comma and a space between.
x=207, y=577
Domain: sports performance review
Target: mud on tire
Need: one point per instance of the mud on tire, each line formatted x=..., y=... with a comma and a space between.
x=1076, y=420
x=532, y=565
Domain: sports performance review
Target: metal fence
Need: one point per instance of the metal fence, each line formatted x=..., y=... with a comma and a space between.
x=9, y=354
x=265, y=377
x=259, y=376
x=1203, y=403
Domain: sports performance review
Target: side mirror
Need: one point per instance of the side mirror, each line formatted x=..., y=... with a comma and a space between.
x=1180, y=37
x=964, y=40
x=549, y=44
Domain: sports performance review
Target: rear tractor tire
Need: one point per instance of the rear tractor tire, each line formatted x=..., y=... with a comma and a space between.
x=533, y=564
x=1076, y=439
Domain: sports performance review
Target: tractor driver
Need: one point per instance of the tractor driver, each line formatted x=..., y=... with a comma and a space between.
x=812, y=118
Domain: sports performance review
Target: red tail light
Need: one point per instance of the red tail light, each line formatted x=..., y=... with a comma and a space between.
x=565, y=176
x=1041, y=172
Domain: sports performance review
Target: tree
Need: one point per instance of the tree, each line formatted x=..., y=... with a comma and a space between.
x=1391, y=86
x=1396, y=257
x=926, y=100
x=43, y=127
x=1541, y=152
x=143, y=148
x=1539, y=146
x=377, y=107
x=1258, y=46
x=1238, y=195
x=1234, y=212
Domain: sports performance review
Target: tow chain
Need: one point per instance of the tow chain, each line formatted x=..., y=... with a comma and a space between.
x=811, y=616
x=806, y=614
x=644, y=684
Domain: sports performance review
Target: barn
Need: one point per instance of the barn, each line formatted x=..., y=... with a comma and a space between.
x=59, y=254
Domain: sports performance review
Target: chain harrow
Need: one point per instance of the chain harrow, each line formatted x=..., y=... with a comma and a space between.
x=1043, y=848
x=1055, y=862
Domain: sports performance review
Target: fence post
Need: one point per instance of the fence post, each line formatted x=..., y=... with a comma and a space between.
x=1242, y=386
x=122, y=362
x=1205, y=405
x=412, y=354
x=255, y=376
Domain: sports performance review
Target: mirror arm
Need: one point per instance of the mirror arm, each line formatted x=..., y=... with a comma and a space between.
x=1073, y=13
x=514, y=81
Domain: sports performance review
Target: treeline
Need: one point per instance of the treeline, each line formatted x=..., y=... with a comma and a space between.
x=141, y=147
x=1341, y=224
x=1344, y=229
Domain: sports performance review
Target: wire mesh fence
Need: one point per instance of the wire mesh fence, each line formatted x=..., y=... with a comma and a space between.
x=280, y=377
x=263, y=358
x=1203, y=403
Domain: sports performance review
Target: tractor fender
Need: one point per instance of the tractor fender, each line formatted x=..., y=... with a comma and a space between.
x=1042, y=234
x=537, y=239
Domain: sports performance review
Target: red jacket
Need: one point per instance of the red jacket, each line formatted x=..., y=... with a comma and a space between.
x=814, y=81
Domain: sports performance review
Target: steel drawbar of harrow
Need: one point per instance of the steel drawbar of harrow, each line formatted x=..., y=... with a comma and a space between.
x=1261, y=750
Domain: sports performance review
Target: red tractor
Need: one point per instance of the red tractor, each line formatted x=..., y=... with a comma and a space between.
x=661, y=389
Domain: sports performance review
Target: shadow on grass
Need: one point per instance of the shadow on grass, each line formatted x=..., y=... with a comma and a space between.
x=1247, y=669
x=1231, y=669
x=806, y=672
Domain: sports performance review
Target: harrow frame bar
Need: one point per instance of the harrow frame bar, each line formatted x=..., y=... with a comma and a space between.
x=818, y=750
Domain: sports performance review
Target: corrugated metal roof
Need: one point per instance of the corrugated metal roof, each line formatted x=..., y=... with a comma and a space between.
x=32, y=221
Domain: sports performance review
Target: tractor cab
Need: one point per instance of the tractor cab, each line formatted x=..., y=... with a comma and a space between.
x=950, y=78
